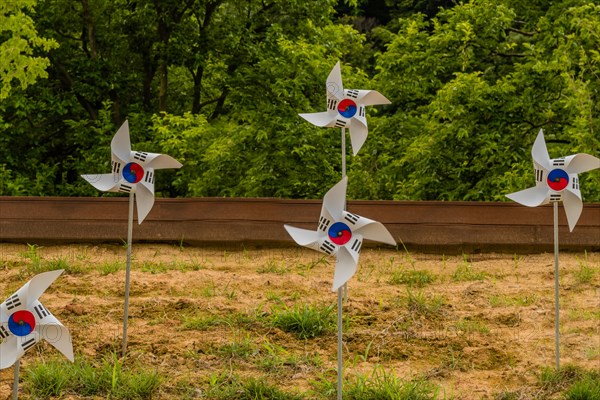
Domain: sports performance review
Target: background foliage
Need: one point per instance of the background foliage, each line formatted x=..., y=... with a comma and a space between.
x=218, y=84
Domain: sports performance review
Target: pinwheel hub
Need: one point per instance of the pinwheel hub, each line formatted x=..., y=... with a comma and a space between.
x=347, y=108
x=558, y=180
x=21, y=323
x=339, y=233
x=133, y=172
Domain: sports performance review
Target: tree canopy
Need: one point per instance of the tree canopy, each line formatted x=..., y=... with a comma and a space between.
x=218, y=84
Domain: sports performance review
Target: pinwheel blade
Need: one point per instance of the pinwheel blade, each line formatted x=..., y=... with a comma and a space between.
x=358, y=133
x=161, y=161
x=103, y=182
x=120, y=144
x=144, y=199
x=573, y=206
x=371, y=98
x=39, y=283
x=335, y=88
x=581, y=162
x=59, y=337
x=374, y=230
x=303, y=237
x=334, y=201
x=539, y=151
x=345, y=268
x=9, y=352
x=531, y=197
x=320, y=119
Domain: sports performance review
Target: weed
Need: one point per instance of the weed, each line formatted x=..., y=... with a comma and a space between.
x=243, y=348
x=382, y=385
x=225, y=387
x=586, y=273
x=306, y=321
x=109, y=268
x=584, y=389
x=421, y=304
x=276, y=357
x=154, y=268
x=200, y=323
x=109, y=380
x=465, y=272
x=273, y=267
x=496, y=300
x=414, y=278
x=470, y=326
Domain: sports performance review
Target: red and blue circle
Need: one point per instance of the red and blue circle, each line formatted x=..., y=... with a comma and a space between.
x=347, y=108
x=21, y=323
x=339, y=233
x=558, y=180
x=133, y=173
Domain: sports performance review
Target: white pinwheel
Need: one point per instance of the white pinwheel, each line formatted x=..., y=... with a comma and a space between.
x=340, y=233
x=346, y=108
x=556, y=180
x=24, y=321
x=132, y=172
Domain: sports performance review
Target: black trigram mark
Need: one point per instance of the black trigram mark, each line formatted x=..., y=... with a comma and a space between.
x=339, y=123
x=558, y=162
x=361, y=111
x=149, y=177
x=352, y=93
x=116, y=167
x=327, y=247
x=323, y=224
x=352, y=218
x=27, y=345
x=331, y=104
x=555, y=197
x=539, y=175
x=356, y=245
x=125, y=188
x=41, y=311
x=576, y=183
x=3, y=332
x=140, y=156
x=13, y=302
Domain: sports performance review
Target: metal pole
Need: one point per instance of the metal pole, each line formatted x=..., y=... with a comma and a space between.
x=340, y=375
x=556, y=287
x=15, y=392
x=341, y=294
x=127, y=273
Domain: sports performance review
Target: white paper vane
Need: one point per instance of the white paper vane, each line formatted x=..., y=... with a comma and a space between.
x=24, y=321
x=346, y=108
x=132, y=172
x=340, y=233
x=556, y=180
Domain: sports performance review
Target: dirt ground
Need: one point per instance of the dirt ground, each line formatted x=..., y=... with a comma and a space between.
x=483, y=325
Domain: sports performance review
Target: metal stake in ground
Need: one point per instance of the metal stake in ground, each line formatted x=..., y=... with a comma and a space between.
x=556, y=288
x=15, y=392
x=127, y=274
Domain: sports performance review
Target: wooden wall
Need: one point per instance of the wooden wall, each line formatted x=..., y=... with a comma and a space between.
x=420, y=225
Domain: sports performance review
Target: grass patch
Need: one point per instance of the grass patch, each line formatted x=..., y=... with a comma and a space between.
x=412, y=278
x=274, y=358
x=109, y=379
x=305, y=321
x=381, y=385
x=109, y=268
x=200, y=323
x=470, y=326
x=466, y=273
x=238, y=348
x=273, y=267
x=225, y=387
x=520, y=300
x=422, y=304
x=586, y=273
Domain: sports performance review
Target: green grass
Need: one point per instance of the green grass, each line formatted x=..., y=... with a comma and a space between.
x=466, y=273
x=586, y=273
x=380, y=385
x=109, y=379
x=420, y=303
x=108, y=268
x=470, y=326
x=412, y=278
x=227, y=387
x=305, y=321
x=200, y=323
x=523, y=300
x=238, y=348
